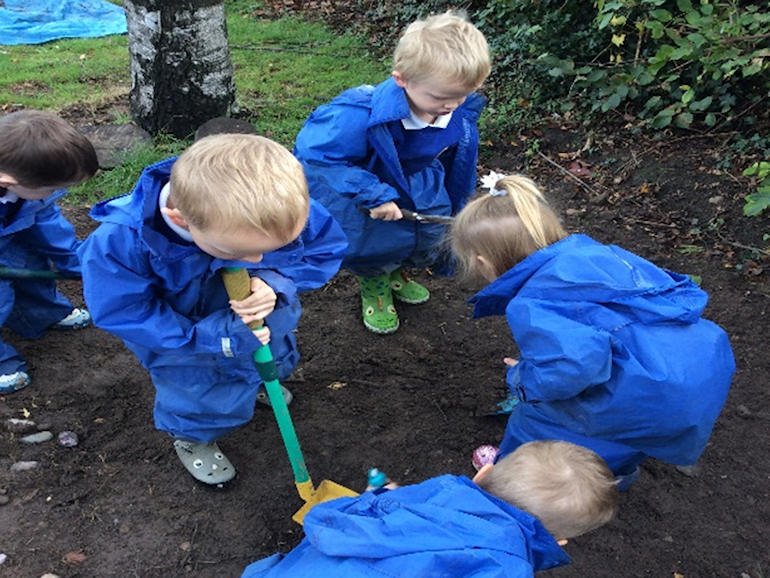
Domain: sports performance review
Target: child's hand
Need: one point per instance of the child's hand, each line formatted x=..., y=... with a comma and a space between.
x=256, y=306
x=510, y=361
x=263, y=334
x=387, y=212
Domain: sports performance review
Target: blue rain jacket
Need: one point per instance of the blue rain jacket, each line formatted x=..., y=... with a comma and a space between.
x=444, y=527
x=614, y=354
x=166, y=300
x=352, y=165
x=33, y=235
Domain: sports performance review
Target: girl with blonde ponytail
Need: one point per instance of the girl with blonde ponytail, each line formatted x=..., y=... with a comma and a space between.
x=614, y=353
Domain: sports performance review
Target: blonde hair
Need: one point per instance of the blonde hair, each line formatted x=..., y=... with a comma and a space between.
x=444, y=47
x=504, y=227
x=567, y=487
x=240, y=181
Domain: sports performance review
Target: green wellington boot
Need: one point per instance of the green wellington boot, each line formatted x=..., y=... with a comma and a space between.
x=406, y=290
x=377, y=304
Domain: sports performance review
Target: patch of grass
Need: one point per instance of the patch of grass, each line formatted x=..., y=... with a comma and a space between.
x=283, y=70
x=57, y=74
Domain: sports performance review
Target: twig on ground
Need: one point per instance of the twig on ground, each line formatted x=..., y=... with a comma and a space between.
x=587, y=187
x=651, y=223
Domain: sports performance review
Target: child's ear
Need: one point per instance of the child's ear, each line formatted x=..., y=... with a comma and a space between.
x=485, y=266
x=7, y=180
x=398, y=78
x=175, y=217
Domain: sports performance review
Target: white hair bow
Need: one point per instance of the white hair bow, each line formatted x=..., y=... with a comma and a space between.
x=490, y=182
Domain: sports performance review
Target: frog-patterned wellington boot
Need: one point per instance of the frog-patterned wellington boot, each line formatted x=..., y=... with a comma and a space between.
x=406, y=290
x=377, y=304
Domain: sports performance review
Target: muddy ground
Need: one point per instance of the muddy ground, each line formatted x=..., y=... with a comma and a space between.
x=120, y=503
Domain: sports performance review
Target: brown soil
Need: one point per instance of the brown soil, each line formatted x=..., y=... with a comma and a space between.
x=120, y=503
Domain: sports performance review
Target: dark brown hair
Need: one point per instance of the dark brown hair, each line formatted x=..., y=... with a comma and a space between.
x=39, y=149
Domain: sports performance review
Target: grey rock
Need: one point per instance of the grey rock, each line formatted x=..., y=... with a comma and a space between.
x=24, y=466
x=67, y=439
x=37, y=438
x=224, y=125
x=19, y=425
x=112, y=141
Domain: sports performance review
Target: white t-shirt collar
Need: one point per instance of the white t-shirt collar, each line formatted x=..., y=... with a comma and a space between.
x=416, y=123
x=163, y=203
x=8, y=197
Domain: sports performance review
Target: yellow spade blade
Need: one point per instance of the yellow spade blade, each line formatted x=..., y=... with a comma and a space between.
x=326, y=490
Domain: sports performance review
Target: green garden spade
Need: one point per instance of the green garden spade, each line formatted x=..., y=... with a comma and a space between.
x=238, y=285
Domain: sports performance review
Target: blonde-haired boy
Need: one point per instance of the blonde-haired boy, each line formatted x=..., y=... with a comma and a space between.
x=409, y=143
x=510, y=520
x=151, y=276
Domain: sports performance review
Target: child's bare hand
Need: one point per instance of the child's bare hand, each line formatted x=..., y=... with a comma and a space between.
x=263, y=334
x=258, y=305
x=387, y=212
x=510, y=361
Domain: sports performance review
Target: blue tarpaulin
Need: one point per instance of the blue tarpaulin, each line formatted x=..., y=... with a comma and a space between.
x=38, y=21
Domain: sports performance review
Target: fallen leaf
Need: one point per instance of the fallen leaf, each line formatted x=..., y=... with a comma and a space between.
x=580, y=169
x=74, y=557
x=25, y=412
x=335, y=385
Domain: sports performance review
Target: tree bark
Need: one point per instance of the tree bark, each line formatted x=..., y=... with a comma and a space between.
x=181, y=71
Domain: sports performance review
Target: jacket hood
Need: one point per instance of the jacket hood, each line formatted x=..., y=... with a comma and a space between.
x=582, y=270
x=139, y=208
x=448, y=513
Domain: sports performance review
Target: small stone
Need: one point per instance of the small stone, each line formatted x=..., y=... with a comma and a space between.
x=43, y=426
x=67, y=439
x=49, y=575
x=24, y=466
x=37, y=438
x=16, y=425
x=743, y=411
x=689, y=471
x=3, y=558
x=4, y=500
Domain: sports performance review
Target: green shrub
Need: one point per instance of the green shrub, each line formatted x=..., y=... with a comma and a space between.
x=759, y=201
x=677, y=62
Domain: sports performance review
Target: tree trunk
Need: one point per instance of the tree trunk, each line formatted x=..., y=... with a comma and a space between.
x=181, y=71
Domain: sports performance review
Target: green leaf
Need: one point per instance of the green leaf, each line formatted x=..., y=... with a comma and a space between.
x=688, y=95
x=757, y=202
x=612, y=102
x=663, y=118
x=656, y=28
x=684, y=5
x=752, y=69
x=701, y=105
x=661, y=15
x=697, y=279
x=710, y=119
x=683, y=119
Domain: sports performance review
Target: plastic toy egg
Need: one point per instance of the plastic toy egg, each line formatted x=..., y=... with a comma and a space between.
x=483, y=455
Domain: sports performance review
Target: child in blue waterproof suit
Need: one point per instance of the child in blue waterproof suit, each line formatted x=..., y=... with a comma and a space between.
x=409, y=143
x=615, y=355
x=506, y=522
x=40, y=156
x=152, y=276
